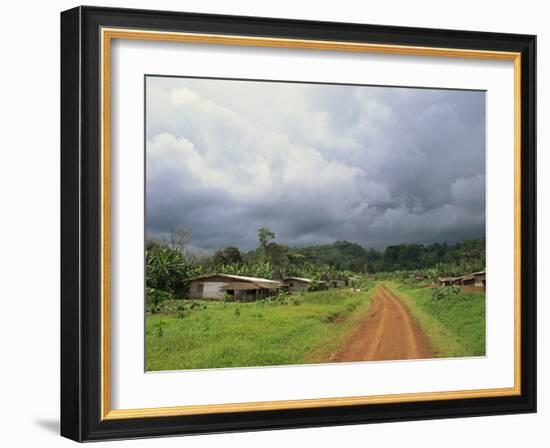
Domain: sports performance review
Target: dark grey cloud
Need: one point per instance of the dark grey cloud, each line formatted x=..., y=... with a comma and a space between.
x=316, y=163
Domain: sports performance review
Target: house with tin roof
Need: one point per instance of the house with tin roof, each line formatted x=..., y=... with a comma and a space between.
x=219, y=286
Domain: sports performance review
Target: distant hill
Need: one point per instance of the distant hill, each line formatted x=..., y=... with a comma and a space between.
x=341, y=255
x=345, y=255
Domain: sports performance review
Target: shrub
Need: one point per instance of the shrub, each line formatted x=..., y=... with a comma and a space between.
x=185, y=309
x=228, y=297
x=283, y=298
x=154, y=296
x=318, y=286
x=155, y=309
x=154, y=300
x=444, y=292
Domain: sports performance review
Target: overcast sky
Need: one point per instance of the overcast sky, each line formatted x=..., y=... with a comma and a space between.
x=315, y=163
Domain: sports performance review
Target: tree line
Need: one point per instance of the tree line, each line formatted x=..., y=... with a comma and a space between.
x=171, y=261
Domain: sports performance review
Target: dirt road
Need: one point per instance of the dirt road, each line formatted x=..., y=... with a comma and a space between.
x=387, y=332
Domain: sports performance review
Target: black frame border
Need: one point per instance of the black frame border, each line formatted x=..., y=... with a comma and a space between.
x=81, y=223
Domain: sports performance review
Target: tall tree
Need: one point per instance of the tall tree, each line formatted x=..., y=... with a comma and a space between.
x=265, y=236
x=228, y=255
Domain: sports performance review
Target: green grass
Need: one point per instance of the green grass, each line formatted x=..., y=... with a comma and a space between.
x=231, y=334
x=455, y=326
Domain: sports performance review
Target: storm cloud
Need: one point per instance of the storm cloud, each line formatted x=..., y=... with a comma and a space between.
x=316, y=163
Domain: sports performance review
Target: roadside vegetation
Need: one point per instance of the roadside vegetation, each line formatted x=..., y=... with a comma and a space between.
x=297, y=329
x=452, y=319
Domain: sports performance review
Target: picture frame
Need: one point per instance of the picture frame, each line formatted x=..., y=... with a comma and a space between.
x=86, y=37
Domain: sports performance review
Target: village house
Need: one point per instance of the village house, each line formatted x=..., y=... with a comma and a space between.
x=448, y=281
x=480, y=279
x=474, y=280
x=292, y=284
x=341, y=282
x=467, y=280
x=297, y=284
x=219, y=286
x=338, y=282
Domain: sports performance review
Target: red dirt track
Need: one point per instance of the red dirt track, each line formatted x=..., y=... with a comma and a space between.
x=387, y=332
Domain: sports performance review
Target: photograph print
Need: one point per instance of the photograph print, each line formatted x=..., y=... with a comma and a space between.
x=291, y=223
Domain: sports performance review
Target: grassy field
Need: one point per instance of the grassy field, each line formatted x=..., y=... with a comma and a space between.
x=308, y=329
x=455, y=326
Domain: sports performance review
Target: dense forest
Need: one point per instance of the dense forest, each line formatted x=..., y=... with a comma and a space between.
x=402, y=257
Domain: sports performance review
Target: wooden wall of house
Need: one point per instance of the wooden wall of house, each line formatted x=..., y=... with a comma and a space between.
x=250, y=295
x=211, y=288
x=296, y=286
